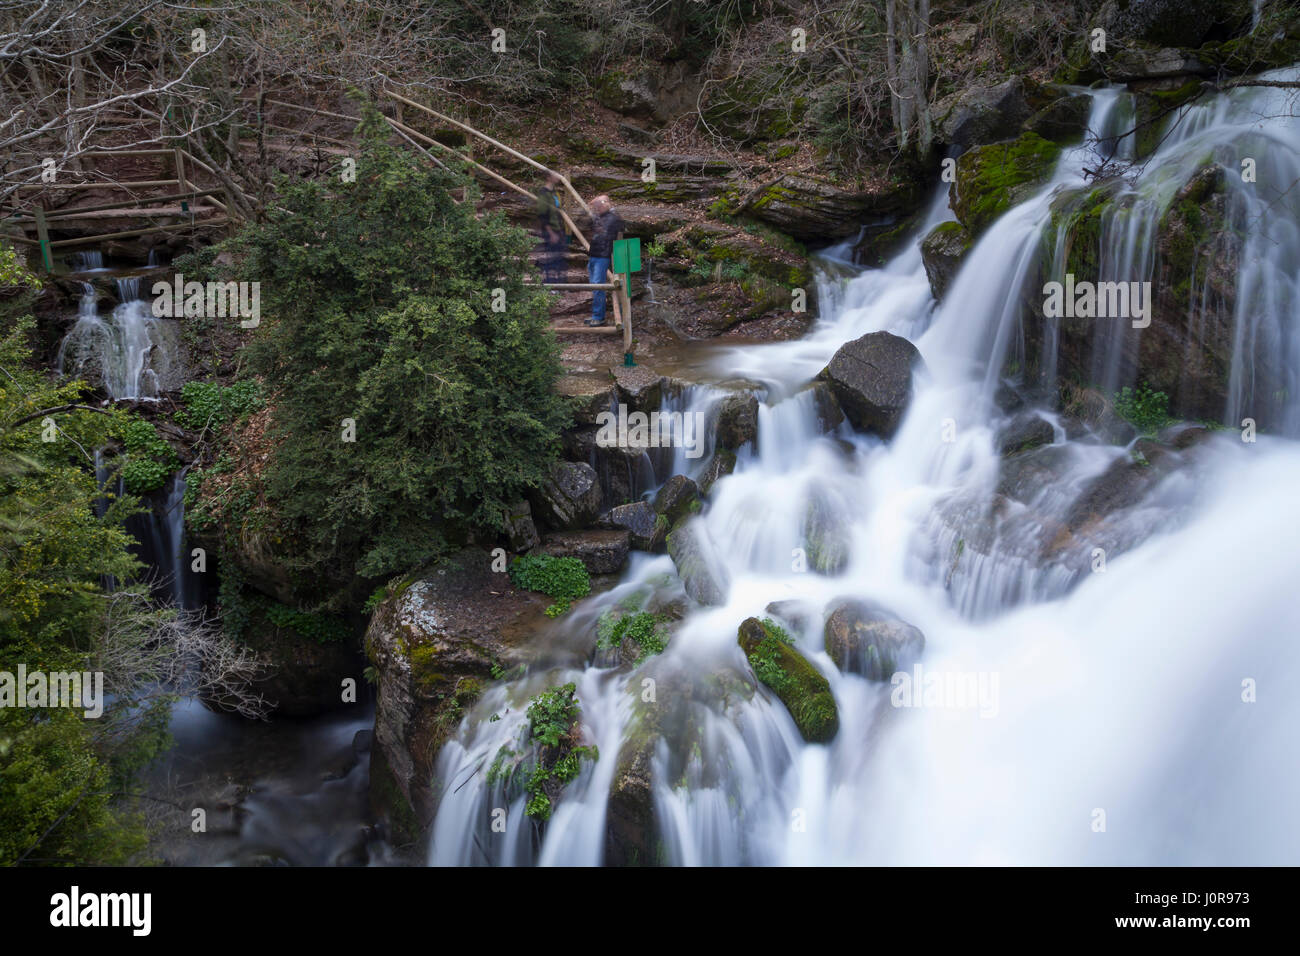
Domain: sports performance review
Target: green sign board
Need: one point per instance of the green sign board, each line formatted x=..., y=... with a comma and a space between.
x=627, y=256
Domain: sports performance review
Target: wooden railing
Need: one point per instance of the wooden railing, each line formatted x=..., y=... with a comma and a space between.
x=37, y=219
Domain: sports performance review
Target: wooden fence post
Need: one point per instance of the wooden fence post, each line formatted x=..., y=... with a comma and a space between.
x=43, y=237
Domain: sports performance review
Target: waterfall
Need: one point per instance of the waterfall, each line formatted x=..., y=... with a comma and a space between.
x=1116, y=696
x=129, y=351
x=160, y=535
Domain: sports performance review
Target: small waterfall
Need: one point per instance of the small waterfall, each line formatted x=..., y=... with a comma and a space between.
x=129, y=352
x=1116, y=688
x=87, y=261
x=160, y=533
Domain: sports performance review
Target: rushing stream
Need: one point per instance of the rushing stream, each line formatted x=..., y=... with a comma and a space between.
x=1116, y=693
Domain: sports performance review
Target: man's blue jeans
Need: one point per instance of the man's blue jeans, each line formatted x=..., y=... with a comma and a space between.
x=598, y=271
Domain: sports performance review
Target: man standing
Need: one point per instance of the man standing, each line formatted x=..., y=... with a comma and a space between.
x=606, y=226
x=551, y=224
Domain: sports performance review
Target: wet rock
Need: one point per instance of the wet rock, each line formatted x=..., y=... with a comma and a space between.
x=648, y=531
x=677, y=499
x=521, y=532
x=1024, y=476
x=942, y=251
x=434, y=646
x=826, y=536
x=992, y=179
x=703, y=576
x=795, y=614
x=639, y=387
x=722, y=463
x=1087, y=410
x=570, y=499
x=829, y=413
x=872, y=380
x=737, y=422
x=601, y=552
x=1064, y=120
x=1027, y=430
x=800, y=686
x=630, y=815
x=863, y=638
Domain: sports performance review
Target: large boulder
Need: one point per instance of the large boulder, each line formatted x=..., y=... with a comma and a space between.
x=639, y=387
x=826, y=532
x=648, y=531
x=1024, y=431
x=942, y=250
x=800, y=686
x=863, y=638
x=570, y=498
x=703, y=576
x=521, y=532
x=1175, y=23
x=677, y=499
x=737, y=422
x=601, y=552
x=813, y=210
x=871, y=378
x=986, y=114
x=434, y=646
x=720, y=465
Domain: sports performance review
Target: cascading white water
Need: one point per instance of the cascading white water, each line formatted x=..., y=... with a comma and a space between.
x=1117, y=729
x=128, y=351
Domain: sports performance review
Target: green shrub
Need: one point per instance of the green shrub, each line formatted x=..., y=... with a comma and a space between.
x=149, y=459
x=645, y=629
x=378, y=309
x=564, y=579
x=1144, y=409
x=213, y=405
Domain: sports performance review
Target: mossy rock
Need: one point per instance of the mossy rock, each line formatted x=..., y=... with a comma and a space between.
x=800, y=686
x=942, y=251
x=991, y=179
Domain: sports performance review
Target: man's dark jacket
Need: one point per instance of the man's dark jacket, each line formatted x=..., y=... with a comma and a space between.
x=604, y=230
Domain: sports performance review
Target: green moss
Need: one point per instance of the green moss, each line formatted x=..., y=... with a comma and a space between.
x=990, y=178
x=1156, y=110
x=804, y=691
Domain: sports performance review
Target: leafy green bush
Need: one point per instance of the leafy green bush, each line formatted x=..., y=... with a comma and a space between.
x=378, y=310
x=1144, y=409
x=564, y=579
x=642, y=627
x=149, y=459
x=213, y=405
x=60, y=774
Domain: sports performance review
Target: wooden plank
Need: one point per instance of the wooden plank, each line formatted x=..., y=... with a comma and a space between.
x=126, y=203
x=103, y=185
x=203, y=223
